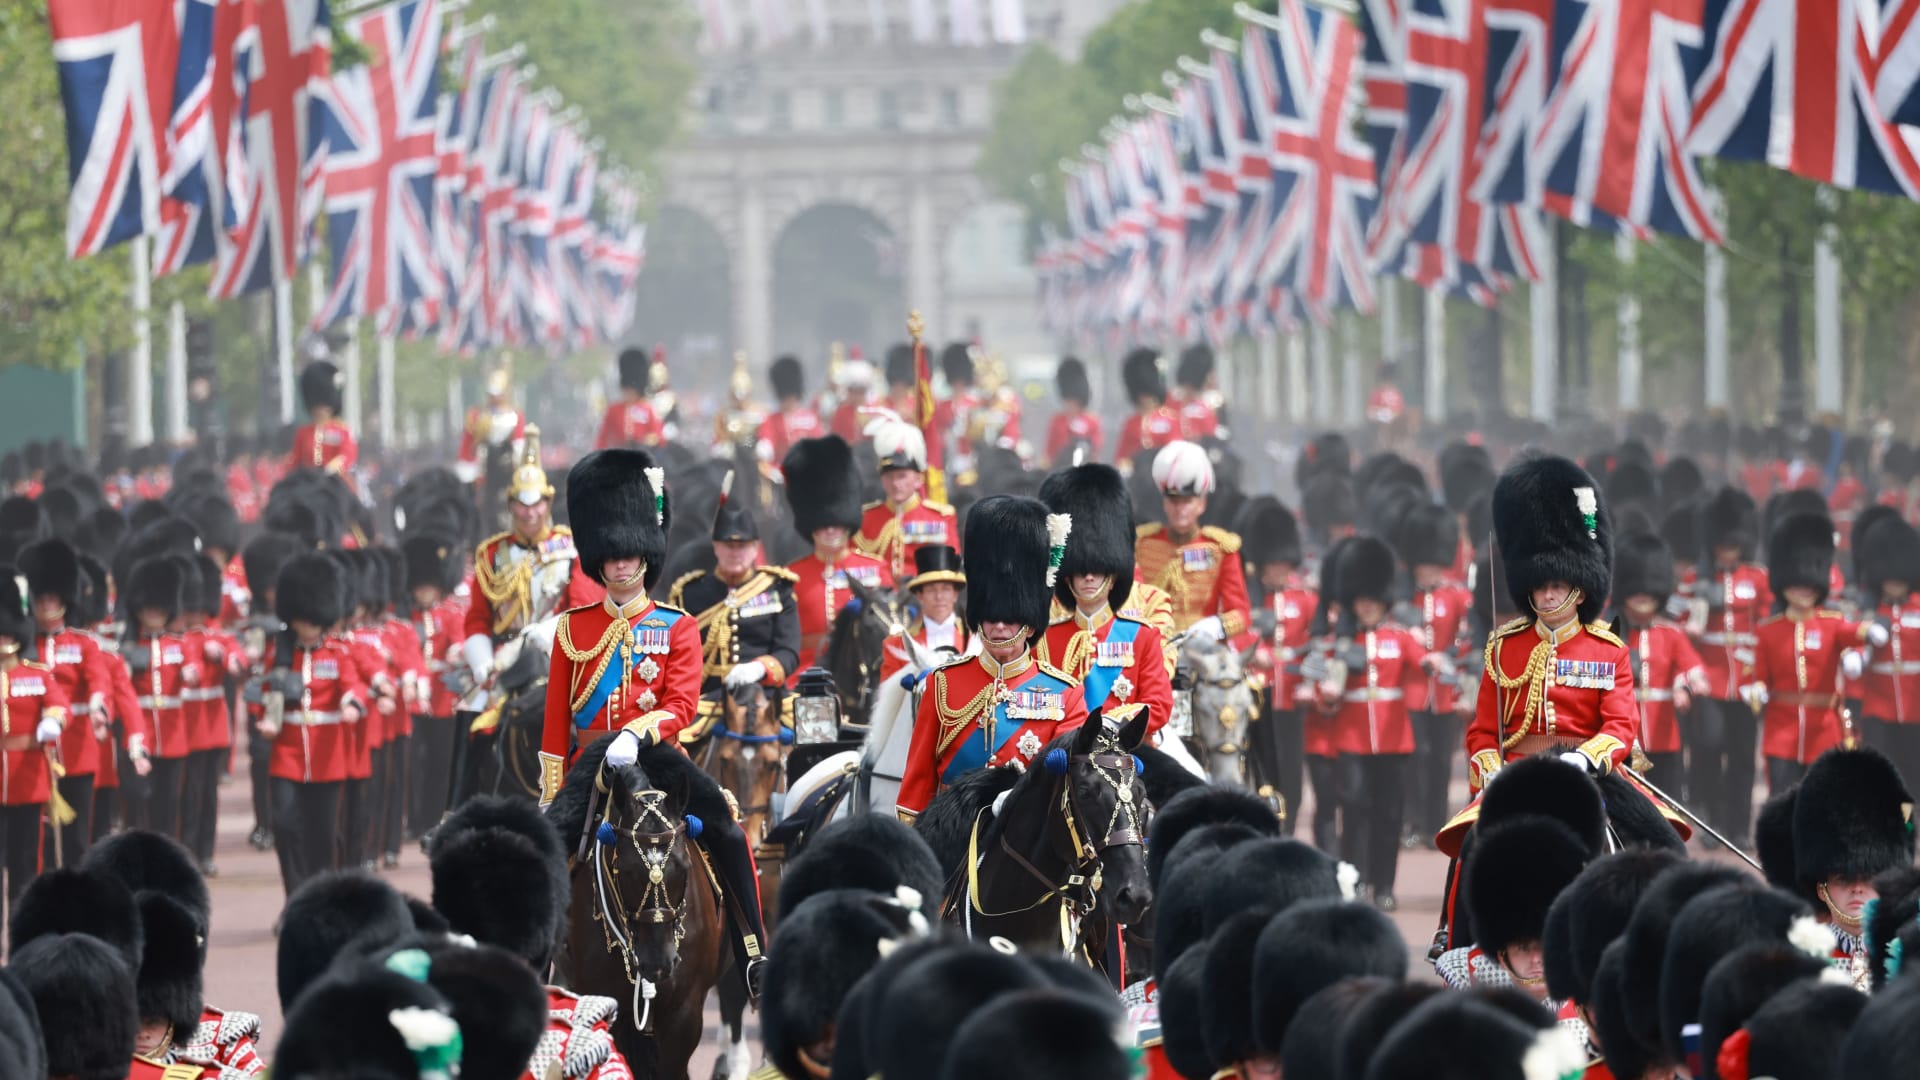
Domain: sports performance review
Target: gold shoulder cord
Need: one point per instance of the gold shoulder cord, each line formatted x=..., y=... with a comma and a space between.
x=1533, y=677
x=509, y=594
x=600, y=656
x=953, y=722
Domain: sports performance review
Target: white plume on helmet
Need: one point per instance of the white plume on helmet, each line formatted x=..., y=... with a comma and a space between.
x=893, y=438
x=1183, y=468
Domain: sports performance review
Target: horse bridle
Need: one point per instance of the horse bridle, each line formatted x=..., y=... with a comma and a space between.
x=656, y=847
x=1223, y=683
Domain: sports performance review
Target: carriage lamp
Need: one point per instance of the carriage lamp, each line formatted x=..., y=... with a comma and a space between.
x=1180, y=723
x=816, y=709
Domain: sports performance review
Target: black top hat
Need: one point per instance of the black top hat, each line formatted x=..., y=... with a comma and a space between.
x=935, y=563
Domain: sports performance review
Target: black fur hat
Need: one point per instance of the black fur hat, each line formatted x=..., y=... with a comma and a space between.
x=1607, y=1011
x=1800, y=554
x=1643, y=566
x=1632, y=483
x=1897, y=908
x=1465, y=480
x=823, y=486
x=1207, y=805
x=73, y=901
x=1005, y=554
x=52, y=568
x=1226, y=998
x=1888, y=551
x=1070, y=381
x=432, y=559
x=1329, y=504
x=216, y=520
x=1739, y=984
x=16, y=619
x=898, y=365
x=1773, y=840
x=1885, y=1040
x=157, y=582
x=1803, y=1030
x=82, y=992
x=1598, y=905
x=342, y=1026
x=1729, y=518
x=1366, y=571
x=1712, y=925
x=1268, y=533
x=1271, y=874
x=956, y=363
x=1140, y=373
x=826, y=944
x=1095, y=497
x=1429, y=535
x=206, y=593
x=1545, y=785
x=634, y=363
x=1552, y=525
x=1467, y=1036
x=23, y=1050
x=911, y=1030
x=321, y=384
x=1355, y=1015
x=1852, y=820
x=1515, y=872
x=1680, y=528
x=1681, y=481
x=497, y=1000
x=264, y=556
x=311, y=588
x=874, y=852
x=1180, y=914
x=500, y=876
x=1182, y=1015
x=1644, y=947
x=326, y=916
x=788, y=378
x=616, y=503
x=1195, y=366
x=169, y=982
x=1311, y=946
x=1041, y=1035
x=146, y=861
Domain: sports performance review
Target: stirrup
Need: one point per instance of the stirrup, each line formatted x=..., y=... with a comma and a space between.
x=753, y=974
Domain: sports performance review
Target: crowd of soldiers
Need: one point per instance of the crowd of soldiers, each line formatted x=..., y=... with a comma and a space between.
x=1602, y=653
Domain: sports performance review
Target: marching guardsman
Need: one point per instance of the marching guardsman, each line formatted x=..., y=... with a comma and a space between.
x=84, y=671
x=493, y=432
x=157, y=656
x=898, y=526
x=1152, y=424
x=953, y=414
x=823, y=491
x=1730, y=598
x=213, y=655
x=749, y=625
x=1273, y=554
x=1886, y=557
x=1117, y=660
x=629, y=665
x=793, y=419
x=325, y=442
x=1197, y=566
x=1667, y=672
x=936, y=585
x=434, y=564
x=631, y=420
x=1075, y=424
x=31, y=725
x=1002, y=705
x=1555, y=679
x=1428, y=543
x=1195, y=396
x=1803, y=652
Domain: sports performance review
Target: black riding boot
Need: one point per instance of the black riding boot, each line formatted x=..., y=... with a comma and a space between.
x=733, y=859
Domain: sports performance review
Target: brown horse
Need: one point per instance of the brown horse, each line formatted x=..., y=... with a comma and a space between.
x=645, y=926
x=746, y=752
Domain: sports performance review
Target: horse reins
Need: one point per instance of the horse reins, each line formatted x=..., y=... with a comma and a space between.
x=656, y=853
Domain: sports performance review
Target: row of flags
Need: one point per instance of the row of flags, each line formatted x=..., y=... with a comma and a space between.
x=732, y=24
x=1429, y=139
x=473, y=214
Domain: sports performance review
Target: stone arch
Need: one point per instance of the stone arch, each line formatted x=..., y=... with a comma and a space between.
x=684, y=293
x=881, y=197
x=838, y=276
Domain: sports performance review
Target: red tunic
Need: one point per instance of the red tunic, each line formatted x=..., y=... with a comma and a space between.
x=1797, y=661
x=1891, y=689
x=1443, y=616
x=1370, y=715
x=1385, y=404
x=960, y=728
x=1293, y=609
x=439, y=632
x=893, y=657
x=1147, y=431
x=328, y=446
x=236, y=601
x=1077, y=647
x=781, y=430
x=556, y=545
x=382, y=699
x=29, y=693
x=1664, y=662
x=895, y=536
x=612, y=670
x=476, y=436
x=1198, y=419
x=821, y=592
x=408, y=666
x=1578, y=692
x=158, y=691
x=132, y=726
x=630, y=423
x=1843, y=505
x=222, y=1046
x=579, y=1040
x=1066, y=429
x=203, y=690
x=1737, y=600
x=85, y=672
x=1201, y=577
x=850, y=424
x=318, y=734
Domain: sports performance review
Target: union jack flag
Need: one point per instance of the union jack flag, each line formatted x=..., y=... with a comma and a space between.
x=117, y=62
x=618, y=257
x=1791, y=83
x=1896, y=83
x=204, y=141
x=573, y=243
x=382, y=160
x=1611, y=138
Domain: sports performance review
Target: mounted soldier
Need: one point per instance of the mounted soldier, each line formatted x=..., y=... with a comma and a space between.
x=1198, y=567
x=823, y=491
x=895, y=528
x=325, y=442
x=492, y=439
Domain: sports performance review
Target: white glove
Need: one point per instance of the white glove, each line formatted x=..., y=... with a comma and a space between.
x=466, y=471
x=1877, y=634
x=747, y=674
x=540, y=634
x=48, y=731
x=1852, y=664
x=1578, y=760
x=478, y=652
x=624, y=751
x=1210, y=628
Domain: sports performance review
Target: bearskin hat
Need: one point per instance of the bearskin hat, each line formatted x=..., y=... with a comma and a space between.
x=1885, y=1040
x=1273, y=875
x=956, y=363
x=1095, y=497
x=264, y=557
x=432, y=560
x=1041, y=1035
x=1195, y=366
x=1632, y=483
x=1803, y=1030
x=827, y=943
x=1354, y=1016
x=1327, y=452
x=1597, y=907
x=1197, y=807
x=324, y=917
x=1545, y=785
x=500, y=876
x=146, y=861
x=634, y=363
x=1070, y=381
x=343, y=1025
x=312, y=587
x=1464, y=480
x=1645, y=946
x=1516, y=870
x=82, y=991
x=1739, y=983
x=1729, y=518
x=94, y=584
x=1182, y=1014
x=1852, y=820
x=1773, y=839
x=616, y=503
x=1140, y=373
x=169, y=982
x=23, y=518
x=910, y=1030
x=1180, y=915
x=1607, y=1011
x=498, y=1001
x=73, y=901
x=1473, y=1036
x=1268, y=533
x=216, y=521
x=1552, y=525
x=1896, y=907
x=206, y=592
x=1328, y=504
x=1800, y=555
x=1429, y=535
x=157, y=583
x=321, y=386
x=16, y=619
x=1784, y=504
x=23, y=1050
x=1005, y=554
x=1311, y=946
x=1227, y=1022
x=1680, y=528
x=874, y=852
x=1643, y=566
x=788, y=378
x=823, y=486
x=52, y=568
x=1709, y=927
x=1366, y=571
x=1889, y=550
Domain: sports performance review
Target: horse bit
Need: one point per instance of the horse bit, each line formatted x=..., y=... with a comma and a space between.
x=656, y=847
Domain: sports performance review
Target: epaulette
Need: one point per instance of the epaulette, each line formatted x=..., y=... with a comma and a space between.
x=937, y=507
x=781, y=572
x=1151, y=528
x=1229, y=541
x=868, y=506
x=492, y=540
x=680, y=583
x=1831, y=613
x=675, y=608
x=1605, y=633
x=34, y=664
x=561, y=530
x=1770, y=620
x=1059, y=615
x=1056, y=673
x=1514, y=627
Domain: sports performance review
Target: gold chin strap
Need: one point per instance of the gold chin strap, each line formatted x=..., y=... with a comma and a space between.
x=638, y=576
x=1574, y=596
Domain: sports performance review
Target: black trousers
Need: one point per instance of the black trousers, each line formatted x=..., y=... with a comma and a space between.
x=1721, y=758
x=166, y=802
x=427, y=780
x=1324, y=774
x=1783, y=773
x=1277, y=740
x=733, y=861
x=306, y=825
x=393, y=795
x=1376, y=793
x=1437, y=741
x=74, y=838
x=259, y=758
x=106, y=803
x=1671, y=768
x=20, y=834
x=356, y=830
x=202, y=812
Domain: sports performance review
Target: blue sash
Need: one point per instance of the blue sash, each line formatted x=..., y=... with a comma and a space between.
x=974, y=753
x=615, y=671
x=1099, y=680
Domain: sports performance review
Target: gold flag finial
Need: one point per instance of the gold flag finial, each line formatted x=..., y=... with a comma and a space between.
x=915, y=326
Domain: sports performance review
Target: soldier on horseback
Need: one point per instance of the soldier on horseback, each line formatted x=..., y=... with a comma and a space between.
x=895, y=528
x=1197, y=566
x=823, y=490
x=632, y=666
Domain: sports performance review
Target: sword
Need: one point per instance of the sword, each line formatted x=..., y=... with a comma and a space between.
x=1676, y=806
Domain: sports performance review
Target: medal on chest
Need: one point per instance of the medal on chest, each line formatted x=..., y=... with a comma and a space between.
x=1122, y=689
x=1113, y=654
x=1197, y=560
x=1036, y=705
x=1028, y=745
x=326, y=669
x=767, y=603
x=1812, y=640
x=1584, y=674
x=26, y=686
x=924, y=532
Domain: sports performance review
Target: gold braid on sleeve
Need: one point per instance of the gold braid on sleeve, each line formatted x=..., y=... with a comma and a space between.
x=1533, y=677
x=510, y=595
x=599, y=656
x=954, y=721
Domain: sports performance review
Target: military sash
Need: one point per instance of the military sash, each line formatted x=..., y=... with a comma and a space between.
x=1039, y=698
x=1111, y=659
x=653, y=637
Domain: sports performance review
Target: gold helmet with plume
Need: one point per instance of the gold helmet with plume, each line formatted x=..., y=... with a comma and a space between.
x=530, y=484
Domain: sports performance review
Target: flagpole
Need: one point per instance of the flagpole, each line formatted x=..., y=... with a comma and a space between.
x=350, y=367
x=1434, y=299
x=283, y=345
x=1827, y=394
x=140, y=366
x=1541, y=298
x=1352, y=375
x=384, y=377
x=1629, y=319
x=1715, y=271
x=176, y=373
